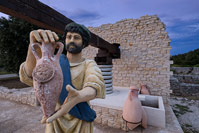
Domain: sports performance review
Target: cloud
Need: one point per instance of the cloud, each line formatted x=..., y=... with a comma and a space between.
x=184, y=42
x=183, y=47
x=179, y=28
x=175, y=35
x=81, y=16
x=183, y=31
x=193, y=27
x=84, y=15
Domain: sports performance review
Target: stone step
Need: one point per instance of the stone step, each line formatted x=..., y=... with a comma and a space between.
x=193, y=79
x=106, y=69
x=108, y=81
x=105, y=66
x=8, y=76
x=108, y=85
x=109, y=91
x=107, y=73
x=109, y=88
x=107, y=77
x=189, y=89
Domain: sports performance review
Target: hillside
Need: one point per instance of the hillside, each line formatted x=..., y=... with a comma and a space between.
x=190, y=59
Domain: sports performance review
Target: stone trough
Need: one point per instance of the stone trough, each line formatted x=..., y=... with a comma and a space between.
x=155, y=110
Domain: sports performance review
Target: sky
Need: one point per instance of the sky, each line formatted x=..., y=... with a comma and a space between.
x=181, y=17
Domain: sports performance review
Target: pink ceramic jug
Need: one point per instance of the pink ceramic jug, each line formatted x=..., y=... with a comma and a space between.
x=133, y=113
x=47, y=76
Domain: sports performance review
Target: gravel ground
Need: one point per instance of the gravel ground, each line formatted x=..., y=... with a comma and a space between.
x=187, y=112
x=21, y=118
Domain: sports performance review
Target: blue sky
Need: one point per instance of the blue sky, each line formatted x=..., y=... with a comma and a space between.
x=181, y=17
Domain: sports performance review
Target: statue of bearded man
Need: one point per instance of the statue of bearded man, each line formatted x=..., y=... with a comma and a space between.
x=83, y=80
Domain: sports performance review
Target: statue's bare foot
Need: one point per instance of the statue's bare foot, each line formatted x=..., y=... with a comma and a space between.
x=43, y=120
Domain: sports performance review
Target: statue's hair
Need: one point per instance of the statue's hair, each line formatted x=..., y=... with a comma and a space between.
x=80, y=29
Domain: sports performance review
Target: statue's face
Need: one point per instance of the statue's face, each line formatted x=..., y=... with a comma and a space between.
x=73, y=42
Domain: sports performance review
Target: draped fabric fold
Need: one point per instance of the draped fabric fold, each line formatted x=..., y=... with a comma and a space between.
x=82, y=110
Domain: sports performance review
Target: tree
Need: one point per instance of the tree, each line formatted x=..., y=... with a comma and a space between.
x=14, y=41
x=190, y=59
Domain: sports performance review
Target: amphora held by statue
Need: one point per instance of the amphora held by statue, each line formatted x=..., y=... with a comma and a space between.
x=47, y=76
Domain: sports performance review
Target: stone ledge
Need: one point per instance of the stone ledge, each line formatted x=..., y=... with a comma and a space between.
x=25, y=95
x=8, y=76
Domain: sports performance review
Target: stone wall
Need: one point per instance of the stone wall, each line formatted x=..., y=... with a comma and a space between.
x=109, y=117
x=185, y=81
x=145, y=53
x=185, y=70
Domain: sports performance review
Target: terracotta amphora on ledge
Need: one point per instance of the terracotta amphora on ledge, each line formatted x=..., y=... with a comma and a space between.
x=47, y=76
x=144, y=89
x=133, y=113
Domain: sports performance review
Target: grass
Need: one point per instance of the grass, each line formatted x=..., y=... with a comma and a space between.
x=192, y=97
x=180, y=109
x=188, y=129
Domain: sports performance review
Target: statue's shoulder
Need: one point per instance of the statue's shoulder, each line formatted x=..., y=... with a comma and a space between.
x=90, y=62
x=92, y=65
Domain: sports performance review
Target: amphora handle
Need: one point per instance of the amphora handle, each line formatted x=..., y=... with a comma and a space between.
x=34, y=50
x=61, y=47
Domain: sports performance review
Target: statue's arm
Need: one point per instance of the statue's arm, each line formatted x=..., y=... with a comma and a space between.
x=93, y=87
x=74, y=97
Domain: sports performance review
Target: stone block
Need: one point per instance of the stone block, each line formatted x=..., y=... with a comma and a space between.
x=98, y=119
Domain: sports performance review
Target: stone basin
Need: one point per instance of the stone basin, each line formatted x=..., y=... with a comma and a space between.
x=154, y=108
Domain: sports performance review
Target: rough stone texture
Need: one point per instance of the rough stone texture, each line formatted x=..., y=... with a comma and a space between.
x=185, y=81
x=25, y=95
x=113, y=118
x=185, y=70
x=187, y=111
x=145, y=53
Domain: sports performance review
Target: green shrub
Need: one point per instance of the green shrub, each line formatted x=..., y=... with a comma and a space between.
x=190, y=59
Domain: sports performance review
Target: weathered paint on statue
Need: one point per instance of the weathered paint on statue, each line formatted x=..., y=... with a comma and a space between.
x=47, y=77
x=133, y=113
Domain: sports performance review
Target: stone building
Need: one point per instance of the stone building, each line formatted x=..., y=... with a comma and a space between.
x=145, y=53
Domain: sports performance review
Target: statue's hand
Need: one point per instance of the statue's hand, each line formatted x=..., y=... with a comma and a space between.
x=72, y=94
x=43, y=35
x=72, y=99
x=38, y=36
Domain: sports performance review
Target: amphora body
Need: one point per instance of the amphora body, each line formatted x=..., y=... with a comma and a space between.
x=47, y=76
x=133, y=113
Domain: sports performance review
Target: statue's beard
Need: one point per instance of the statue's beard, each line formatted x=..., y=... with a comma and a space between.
x=73, y=48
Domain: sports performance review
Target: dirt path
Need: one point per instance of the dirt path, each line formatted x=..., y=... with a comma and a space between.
x=21, y=118
x=187, y=112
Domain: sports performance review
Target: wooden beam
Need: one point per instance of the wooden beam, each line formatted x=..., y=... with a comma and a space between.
x=43, y=16
x=36, y=13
